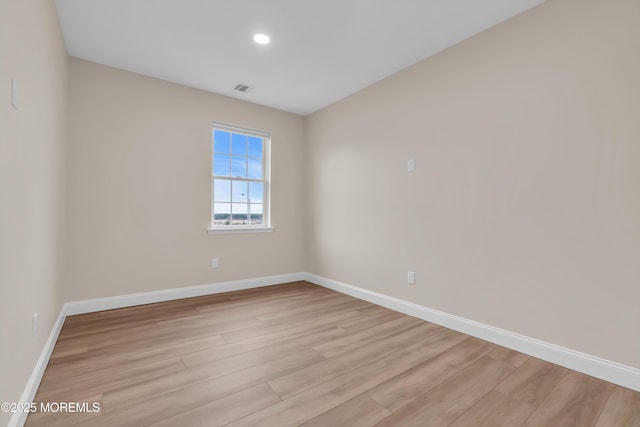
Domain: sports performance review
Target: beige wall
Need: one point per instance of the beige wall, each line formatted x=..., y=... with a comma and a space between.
x=524, y=208
x=32, y=150
x=139, y=182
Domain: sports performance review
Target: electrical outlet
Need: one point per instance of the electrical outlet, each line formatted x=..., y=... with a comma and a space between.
x=34, y=325
x=411, y=277
x=215, y=262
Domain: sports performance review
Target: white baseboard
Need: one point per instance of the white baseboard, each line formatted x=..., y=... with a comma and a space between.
x=120, y=301
x=30, y=390
x=607, y=370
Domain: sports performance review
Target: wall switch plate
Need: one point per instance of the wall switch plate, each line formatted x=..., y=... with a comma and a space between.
x=215, y=262
x=411, y=165
x=34, y=324
x=14, y=93
x=411, y=277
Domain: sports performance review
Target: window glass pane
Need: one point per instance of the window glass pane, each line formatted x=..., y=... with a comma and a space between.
x=256, y=213
x=221, y=142
x=256, y=208
x=239, y=219
x=221, y=165
x=255, y=146
x=239, y=144
x=222, y=219
x=239, y=167
x=222, y=208
x=255, y=192
x=239, y=208
x=221, y=190
x=239, y=191
x=255, y=168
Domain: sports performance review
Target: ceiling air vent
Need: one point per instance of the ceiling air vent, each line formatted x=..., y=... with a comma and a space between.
x=241, y=87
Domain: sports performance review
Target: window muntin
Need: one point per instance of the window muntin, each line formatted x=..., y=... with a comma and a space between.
x=240, y=184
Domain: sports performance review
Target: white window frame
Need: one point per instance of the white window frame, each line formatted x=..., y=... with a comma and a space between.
x=265, y=227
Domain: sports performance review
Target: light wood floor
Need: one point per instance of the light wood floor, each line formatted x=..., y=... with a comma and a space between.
x=299, y=354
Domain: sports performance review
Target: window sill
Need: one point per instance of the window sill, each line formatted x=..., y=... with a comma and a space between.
x=239, y=230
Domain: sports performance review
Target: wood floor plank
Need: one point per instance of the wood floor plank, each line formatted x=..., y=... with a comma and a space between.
x=93, y=361
x=303, y=379
x=361, y=411
x=533, y=382
x=372, y=316
x=226, y=382
x=299, y=328
x=258, y=348
x=300, y=354
x=151, y=334
x=509, y=356
x=263, y=291
x=495, y=409
x=75, y=388
x=369, y=335
x=225, y=410
x=218, y=305
x=622, y=409
x=449, y=400
x=513, y=401
x=576, y=401
x=291, y=339
x=70, y=350
x=308, y=404
x=413, y=383
x=317, y=305
x=293, y=322
x=135, y=406
x=239, y=311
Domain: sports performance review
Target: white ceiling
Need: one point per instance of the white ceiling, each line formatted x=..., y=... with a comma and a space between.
x=320, y=51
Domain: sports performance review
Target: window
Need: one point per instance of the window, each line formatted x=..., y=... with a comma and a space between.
x=240, y=180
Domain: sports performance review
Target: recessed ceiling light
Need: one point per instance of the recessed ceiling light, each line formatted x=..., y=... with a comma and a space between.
x=261, y=38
